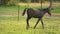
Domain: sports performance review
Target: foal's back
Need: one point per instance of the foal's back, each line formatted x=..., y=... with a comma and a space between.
x=35, y=13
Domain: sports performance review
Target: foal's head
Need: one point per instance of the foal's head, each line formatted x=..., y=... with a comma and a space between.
x=47, y=10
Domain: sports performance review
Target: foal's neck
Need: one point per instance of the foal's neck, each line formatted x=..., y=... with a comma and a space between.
x=45, y=10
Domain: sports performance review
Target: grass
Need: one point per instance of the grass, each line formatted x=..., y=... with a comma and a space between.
x=10, y=25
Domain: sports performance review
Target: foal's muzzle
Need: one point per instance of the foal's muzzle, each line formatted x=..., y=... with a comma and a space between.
x=49, y=13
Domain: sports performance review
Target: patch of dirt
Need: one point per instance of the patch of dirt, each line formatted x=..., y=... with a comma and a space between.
x=39, y=4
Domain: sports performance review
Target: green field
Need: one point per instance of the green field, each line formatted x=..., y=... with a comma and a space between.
x=9, y=22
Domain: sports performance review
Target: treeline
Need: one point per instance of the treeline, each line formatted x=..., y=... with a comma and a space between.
x=9, y=2
x=14, y=2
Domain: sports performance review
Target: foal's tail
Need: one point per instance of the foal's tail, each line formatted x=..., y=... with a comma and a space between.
x=24, y=11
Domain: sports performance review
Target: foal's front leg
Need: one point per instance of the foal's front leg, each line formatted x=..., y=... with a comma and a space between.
x=37, y=23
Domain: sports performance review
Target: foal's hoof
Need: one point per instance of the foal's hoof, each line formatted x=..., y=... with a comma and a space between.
x=34, y=27
x=43, y=28
x=27, y=28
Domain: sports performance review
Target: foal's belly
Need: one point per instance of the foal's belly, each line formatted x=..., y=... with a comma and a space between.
x=37, y=16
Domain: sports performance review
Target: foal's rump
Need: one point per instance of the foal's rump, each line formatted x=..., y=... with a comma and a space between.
x=28, y=11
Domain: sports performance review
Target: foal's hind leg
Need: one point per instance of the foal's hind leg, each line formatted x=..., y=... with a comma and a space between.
x=27, y=23
x=37, y=23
